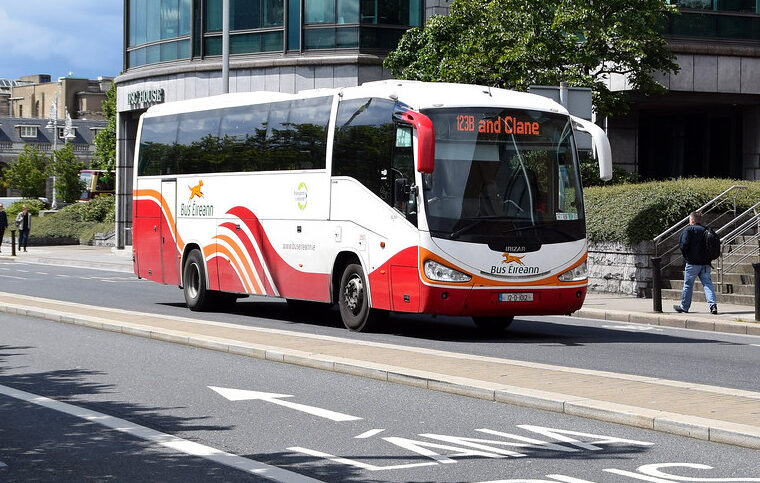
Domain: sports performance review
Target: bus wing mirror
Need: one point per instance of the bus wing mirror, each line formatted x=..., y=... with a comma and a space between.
x=601, y=145
x=425, y=139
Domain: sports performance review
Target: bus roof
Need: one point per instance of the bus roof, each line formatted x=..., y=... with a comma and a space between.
x=428, y=95
x=418, y=95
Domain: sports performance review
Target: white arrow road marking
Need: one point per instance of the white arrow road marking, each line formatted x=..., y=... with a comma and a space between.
x=167, y=440
x=2, y=464
x=243, y=395
x=369, y=433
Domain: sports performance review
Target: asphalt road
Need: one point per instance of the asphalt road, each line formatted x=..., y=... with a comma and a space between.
x=701, y=357
x=309, y=424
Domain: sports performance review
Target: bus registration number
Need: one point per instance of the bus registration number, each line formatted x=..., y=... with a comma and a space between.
x=516, y=297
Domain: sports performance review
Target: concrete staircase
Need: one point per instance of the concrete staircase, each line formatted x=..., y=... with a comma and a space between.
x=733, y=275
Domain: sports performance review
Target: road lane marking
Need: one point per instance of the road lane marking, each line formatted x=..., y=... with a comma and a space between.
x=162, y=439
x=634, y=328
x=244, y=395
x=11, y=276
x=369, y=433
x=357, y=464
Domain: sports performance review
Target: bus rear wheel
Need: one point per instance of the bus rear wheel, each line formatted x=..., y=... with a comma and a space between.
x=197, y=296
x=353, y=302
x=493, y=325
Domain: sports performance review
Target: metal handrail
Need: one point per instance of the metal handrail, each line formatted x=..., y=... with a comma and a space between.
x=713, y=201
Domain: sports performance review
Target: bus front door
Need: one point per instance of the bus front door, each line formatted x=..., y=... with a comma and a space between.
x=169, y=247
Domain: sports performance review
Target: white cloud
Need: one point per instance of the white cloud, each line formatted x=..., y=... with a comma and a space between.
x=49, y=36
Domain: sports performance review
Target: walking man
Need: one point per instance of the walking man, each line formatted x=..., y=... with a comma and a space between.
x=697, y=264
x=24, y=224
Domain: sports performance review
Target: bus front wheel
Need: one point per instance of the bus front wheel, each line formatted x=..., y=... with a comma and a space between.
x=493, y=325
x=353, y=302
x=197, y=296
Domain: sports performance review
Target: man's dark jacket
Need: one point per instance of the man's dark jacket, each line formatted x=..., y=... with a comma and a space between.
x=693, y=246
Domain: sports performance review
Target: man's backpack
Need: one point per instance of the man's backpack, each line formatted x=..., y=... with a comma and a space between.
x=712, y=244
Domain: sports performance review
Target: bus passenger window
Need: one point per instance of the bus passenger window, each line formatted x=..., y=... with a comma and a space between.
x=404, y=198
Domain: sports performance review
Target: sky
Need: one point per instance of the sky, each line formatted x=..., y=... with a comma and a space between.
x=58, y=37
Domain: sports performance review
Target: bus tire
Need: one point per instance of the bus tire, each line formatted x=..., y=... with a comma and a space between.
x=493, y=325
x=197, y=296
x=353, y=301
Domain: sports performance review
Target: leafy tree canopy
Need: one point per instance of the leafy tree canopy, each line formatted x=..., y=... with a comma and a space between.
x=105, y=139
x=29, y=173
x=517, y=43
x=65, y=168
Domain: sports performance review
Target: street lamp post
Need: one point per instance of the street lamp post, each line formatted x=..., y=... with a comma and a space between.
x=53, y=124
x=67, y=134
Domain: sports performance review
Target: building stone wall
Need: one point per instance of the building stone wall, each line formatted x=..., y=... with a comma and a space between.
x=619, y=268
x=437, y=7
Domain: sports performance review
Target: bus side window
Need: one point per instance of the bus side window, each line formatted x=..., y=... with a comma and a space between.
x=404, y=199
x=364, y=141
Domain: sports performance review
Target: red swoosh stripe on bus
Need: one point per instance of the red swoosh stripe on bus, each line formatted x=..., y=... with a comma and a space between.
x=242, y=267
x=290, y=283
x=257, y=263
x=142, y=195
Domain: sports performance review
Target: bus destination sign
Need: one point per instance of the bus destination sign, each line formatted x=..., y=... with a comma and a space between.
x=497, y=125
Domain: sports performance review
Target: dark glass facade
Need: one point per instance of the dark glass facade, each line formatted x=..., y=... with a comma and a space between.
x=169, y=30
x=718, y=19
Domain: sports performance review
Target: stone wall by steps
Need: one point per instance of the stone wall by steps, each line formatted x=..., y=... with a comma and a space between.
x=619, y=268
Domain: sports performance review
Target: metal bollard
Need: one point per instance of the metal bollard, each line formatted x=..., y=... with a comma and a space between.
x=13, y=242
x=657, y=284
x=756, y=266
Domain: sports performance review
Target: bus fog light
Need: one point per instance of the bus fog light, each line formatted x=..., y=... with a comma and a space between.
x=441, y=273
x=575, y=274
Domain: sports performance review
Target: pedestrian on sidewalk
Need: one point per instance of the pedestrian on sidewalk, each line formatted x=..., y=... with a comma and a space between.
x=692, y=244
x=24, y=224
x=3, y=224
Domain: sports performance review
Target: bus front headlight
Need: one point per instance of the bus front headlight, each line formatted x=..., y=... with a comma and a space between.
x=442, y=273
x=575, y=274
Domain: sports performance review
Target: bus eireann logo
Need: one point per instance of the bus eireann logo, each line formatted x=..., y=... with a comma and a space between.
x=196, y=190
x=512, y=258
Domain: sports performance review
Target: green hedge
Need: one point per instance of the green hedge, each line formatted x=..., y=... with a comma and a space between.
x=33, y=206
x=631, y=213
x=79, y=221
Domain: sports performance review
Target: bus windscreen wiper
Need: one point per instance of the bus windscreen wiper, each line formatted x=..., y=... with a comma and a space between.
x=475, y=222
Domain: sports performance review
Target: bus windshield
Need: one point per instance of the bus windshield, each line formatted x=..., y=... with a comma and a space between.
x=503, y=176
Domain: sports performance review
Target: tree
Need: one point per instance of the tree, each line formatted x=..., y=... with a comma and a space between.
x=105, y=139
x=65, y=168
x=29, y=173
x=516, y=43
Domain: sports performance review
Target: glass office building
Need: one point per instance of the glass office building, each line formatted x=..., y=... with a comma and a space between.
x=708, y=123
x=173, y=51
x=171, y=30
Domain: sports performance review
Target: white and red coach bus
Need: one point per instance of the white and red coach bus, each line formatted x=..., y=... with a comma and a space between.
x=392, y=196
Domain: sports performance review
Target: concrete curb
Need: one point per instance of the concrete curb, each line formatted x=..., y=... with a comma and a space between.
x=686, y=321
x=87, y=264
x=682, y=425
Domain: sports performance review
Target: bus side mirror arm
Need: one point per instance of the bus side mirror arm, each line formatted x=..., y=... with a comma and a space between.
x=425, y=139
x=601, y=145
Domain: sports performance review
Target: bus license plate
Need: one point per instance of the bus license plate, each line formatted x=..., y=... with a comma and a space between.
x=516, y=297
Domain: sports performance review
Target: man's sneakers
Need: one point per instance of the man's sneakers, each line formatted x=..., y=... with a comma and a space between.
x=680, y=310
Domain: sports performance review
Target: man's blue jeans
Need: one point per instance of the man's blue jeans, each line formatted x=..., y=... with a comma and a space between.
x=690, y=274
x=23, y=238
